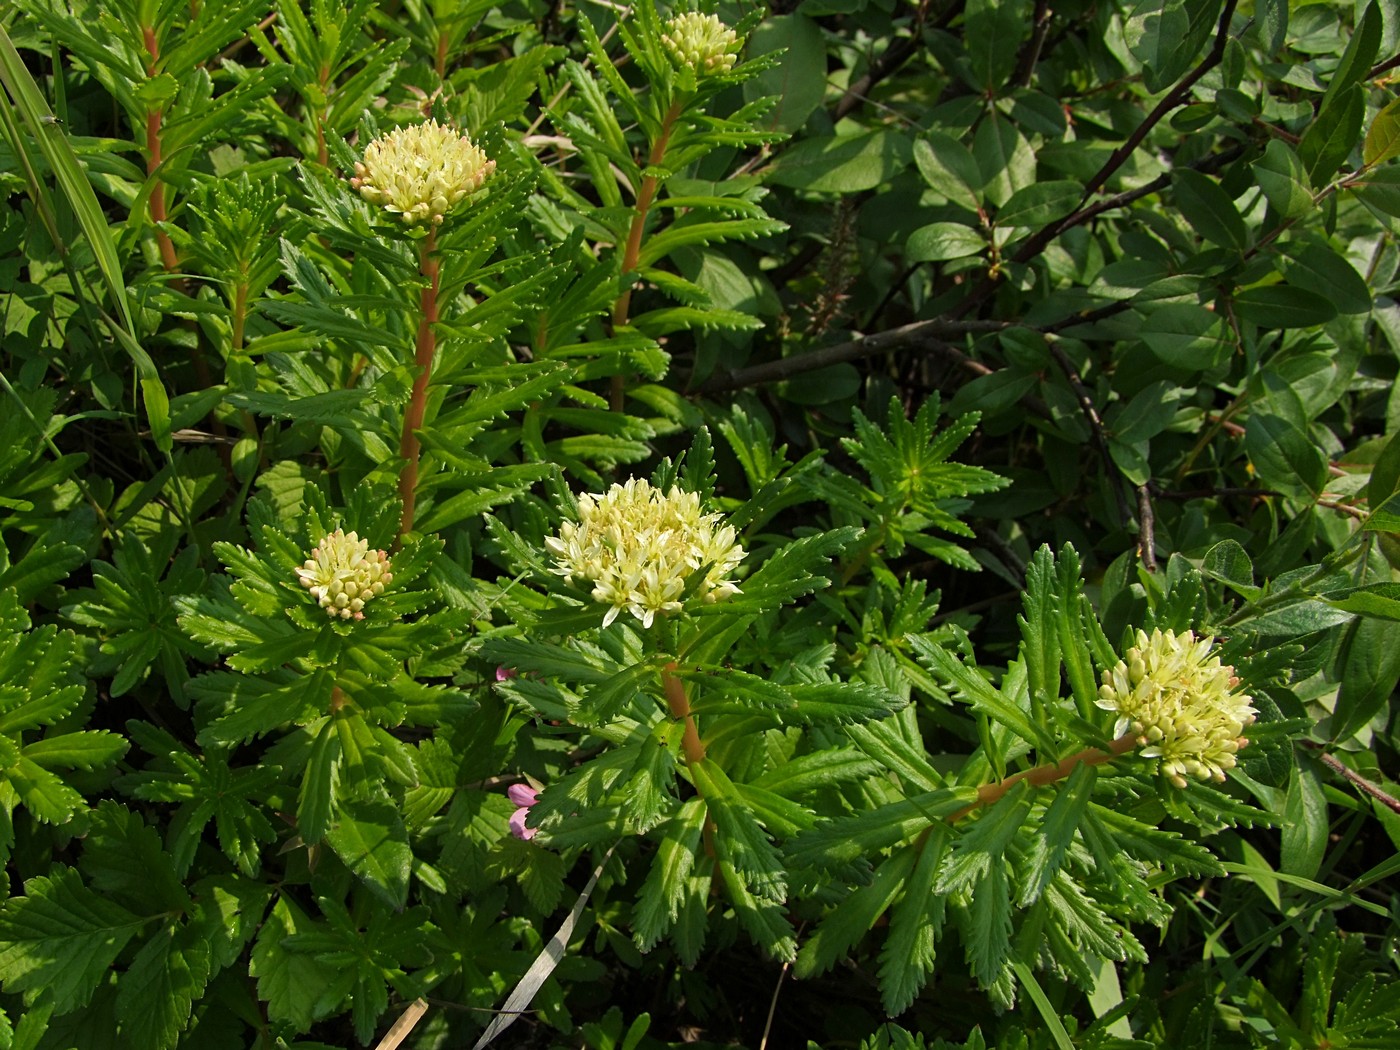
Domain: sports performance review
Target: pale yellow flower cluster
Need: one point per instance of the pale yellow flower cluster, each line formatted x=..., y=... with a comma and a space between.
x=343, y=573
x=639, y=547
x=419, y=172
x=701, y=42
x=1178, y=701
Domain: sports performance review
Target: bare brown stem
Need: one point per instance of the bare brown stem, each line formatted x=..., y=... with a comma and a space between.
x=409, y=445
x=1337, y=766
x=1096, y=428
x=923, y=334
x=901, y=50
x=1030, y=54
x=1147, y=538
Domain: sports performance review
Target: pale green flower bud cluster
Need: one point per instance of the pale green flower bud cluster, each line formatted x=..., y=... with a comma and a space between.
x=701, y=42
x=639, y=547
x=1178, y=701
x=419, y=172
x=342, y=574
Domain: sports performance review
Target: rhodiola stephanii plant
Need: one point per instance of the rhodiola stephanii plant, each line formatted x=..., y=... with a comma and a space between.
x=378, y=640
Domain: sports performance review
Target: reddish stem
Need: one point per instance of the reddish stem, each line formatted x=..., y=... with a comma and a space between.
x=409, y=446
x=691, y=743
x=1048, y=773
x=169, y=259
x=240, y=314
x=646, y=195
x=322, y=155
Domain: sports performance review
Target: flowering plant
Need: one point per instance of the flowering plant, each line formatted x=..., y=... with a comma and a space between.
x=640, y=546
x=573, y=516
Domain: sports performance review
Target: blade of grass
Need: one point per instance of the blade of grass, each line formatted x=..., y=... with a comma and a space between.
x=23, y=94
x=1048, y=1013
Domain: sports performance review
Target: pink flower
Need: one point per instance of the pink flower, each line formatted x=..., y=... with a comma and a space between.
x=523, y=796
x=505, y=674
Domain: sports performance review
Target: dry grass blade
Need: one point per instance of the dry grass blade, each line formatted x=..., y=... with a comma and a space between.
x=405, y=1024
x=543, y=965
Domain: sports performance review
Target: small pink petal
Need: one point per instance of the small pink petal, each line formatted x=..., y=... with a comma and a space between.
x=505, y=674
x=518, y=828
x=522, y=795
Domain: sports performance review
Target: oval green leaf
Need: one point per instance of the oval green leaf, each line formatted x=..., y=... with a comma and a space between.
x=943, y=240
x=1041, y=203
x=845, y=164
x=1184, y=335
x=1283, y=306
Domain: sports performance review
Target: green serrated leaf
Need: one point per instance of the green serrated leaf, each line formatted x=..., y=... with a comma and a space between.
x=370, y=838
x=907, y=957
x=60, y=938
x=740, y=842
x=156, y=994
x=1057, y=832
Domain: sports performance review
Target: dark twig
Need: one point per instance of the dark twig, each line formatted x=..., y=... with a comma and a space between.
x=899, y=52
x=1384, y=67
x=1087, y=317
x=1217, y=493
x=1337, y=766
x=1147, y=539
x=1096, y=428
x=1035, y=244
x=1173, y=98
x=1007, y=553
x=1030, y=54
x=915, y=335
x=923, y=333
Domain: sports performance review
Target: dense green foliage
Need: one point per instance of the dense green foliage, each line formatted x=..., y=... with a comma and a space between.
x=975, y=352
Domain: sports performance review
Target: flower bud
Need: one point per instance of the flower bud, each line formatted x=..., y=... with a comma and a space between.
x=524, y=797
x=1179, y=703
x=701, y=42
x=343, y=574
x=421, y=171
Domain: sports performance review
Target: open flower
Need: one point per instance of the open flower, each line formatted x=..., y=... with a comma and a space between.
x=701, y=42
x=1179, y=701
x=524, y=797
x=419, y=172
x=342, y=574
x=640, y=546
